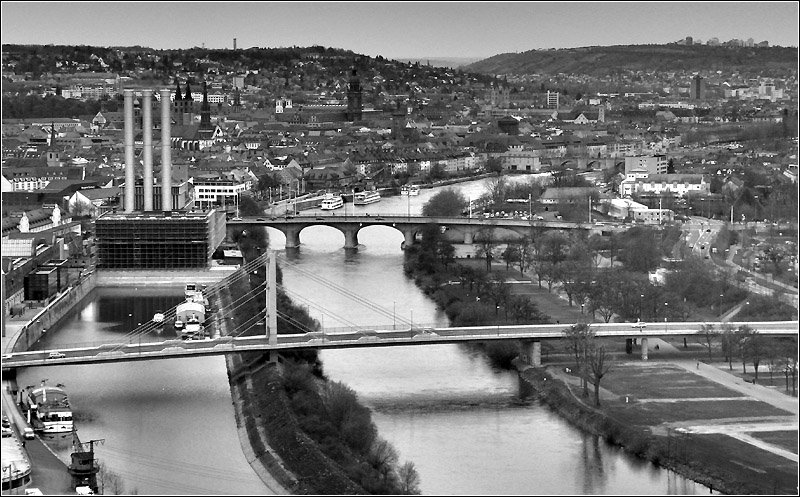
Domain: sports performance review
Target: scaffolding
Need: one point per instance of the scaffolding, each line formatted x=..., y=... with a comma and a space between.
x=176, y=240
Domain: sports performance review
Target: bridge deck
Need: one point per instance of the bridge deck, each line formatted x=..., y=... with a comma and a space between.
x=362, y=338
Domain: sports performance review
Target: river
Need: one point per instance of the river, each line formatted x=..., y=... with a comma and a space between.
x=168, y=425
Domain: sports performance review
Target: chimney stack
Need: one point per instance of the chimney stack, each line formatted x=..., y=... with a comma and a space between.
x=147, y=151
x=166, y=153
x=130, y=177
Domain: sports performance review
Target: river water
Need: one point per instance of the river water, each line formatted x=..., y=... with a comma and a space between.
x=168, y=425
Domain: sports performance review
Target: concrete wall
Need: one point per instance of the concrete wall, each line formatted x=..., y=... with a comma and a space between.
x=55, y=311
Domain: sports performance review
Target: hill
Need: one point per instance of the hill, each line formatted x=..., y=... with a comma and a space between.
x=606, y=61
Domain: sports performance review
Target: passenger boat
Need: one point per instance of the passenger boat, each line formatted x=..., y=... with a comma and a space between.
x=364, y=198
x=412, y=190
x=331, y=202
x=49, y=410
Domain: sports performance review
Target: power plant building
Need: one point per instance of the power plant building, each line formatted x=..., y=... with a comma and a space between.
x=180, y=240
x=154, y=233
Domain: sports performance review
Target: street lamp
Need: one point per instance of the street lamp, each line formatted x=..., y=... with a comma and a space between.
x=720, y=304
x=641, y=305
x=412, y=319
x=394, y=315
x=665, y=311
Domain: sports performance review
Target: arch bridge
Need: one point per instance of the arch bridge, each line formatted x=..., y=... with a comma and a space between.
x=465, y=230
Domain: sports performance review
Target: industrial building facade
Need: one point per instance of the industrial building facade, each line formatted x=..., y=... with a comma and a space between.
x=175, y=240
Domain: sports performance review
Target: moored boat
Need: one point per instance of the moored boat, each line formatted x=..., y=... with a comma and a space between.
x=412, y=190
x=368, y=197
x=49, y=410
x=331, y=202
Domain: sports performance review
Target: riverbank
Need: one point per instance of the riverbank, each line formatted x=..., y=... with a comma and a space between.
x=696, y=426
x=654, y=431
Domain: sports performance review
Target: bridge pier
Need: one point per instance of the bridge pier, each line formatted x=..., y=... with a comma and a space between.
x=644, y=348
x=468, y=237
x=292, y=237
x=408, y=234
x=531, y=352
x=351, y=238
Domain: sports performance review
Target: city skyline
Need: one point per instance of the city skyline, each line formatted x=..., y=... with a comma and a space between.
x=396, y=29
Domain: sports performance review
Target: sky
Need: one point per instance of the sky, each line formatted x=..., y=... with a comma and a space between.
x=395, y=29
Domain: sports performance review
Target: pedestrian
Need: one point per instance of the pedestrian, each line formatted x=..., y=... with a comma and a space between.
x=698, y=364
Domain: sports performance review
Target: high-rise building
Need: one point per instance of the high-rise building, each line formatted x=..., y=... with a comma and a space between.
x=552, y=99
x=698, y=88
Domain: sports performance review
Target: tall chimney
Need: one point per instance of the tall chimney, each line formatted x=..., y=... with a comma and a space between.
x=147, y=151
x=130, y=177
x=166, y=153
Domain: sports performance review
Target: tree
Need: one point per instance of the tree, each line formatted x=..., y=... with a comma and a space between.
x=599, y=366
x=447, y=202
x=579, y=338
x=486, y=246
x=493, y=165
x=729, y=340
x=510, y=254
x=409, y=479
x=707, y=336
x=743, y=335
x=756, y=350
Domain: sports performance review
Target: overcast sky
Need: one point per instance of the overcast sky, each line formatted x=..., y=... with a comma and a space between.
x=396, y=29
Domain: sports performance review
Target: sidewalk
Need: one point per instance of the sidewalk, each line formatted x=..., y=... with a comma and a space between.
x=48, y=473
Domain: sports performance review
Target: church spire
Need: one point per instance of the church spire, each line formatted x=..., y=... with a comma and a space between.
x=188, y=92
x=178, y=90
x=52, y=135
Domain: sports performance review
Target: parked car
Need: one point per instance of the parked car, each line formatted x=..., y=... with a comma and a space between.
x=56, y=355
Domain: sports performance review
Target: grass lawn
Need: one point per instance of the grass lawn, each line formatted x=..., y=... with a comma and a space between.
x=657, y=413
x=661, y=382
x=784, y=439
x=767, y=472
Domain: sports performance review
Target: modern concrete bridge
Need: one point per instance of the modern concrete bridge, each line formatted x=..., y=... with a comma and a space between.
x=530, y=337
x=459, y=229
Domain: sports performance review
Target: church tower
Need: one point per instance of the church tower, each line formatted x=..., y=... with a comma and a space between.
x=53, y=155
x=354, y=107
x=205, y=110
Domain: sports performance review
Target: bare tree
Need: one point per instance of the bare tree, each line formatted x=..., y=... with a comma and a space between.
x=707, y=336
x=409, y=479
x=109, y=482
x=579, y=337
x=599, y=365
x=744, y=334
x=486, y=246
x=729, y=341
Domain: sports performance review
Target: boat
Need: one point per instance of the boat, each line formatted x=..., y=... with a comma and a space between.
x=331, y=202
x=193, y=331
x=190, y=290
x=412, y=190
x=364, y=198
x=49, y=410
x=16, y=464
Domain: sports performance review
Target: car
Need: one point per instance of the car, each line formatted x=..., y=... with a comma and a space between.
x=539, y=218
x=33, y=491
x=260, y=219
x=708, y=230
x=27, y=433
x=56, y=355
x=7, y=432
x=6, y=422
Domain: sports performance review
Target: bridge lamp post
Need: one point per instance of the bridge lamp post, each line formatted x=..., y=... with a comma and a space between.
x=412, y=319
x=394, y=315
x=720, y=304
x=130, y=319
x=666, y=304
x=140, y=338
